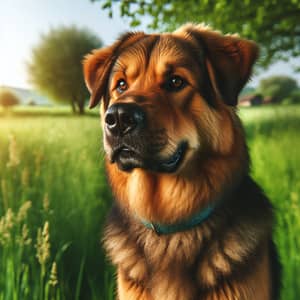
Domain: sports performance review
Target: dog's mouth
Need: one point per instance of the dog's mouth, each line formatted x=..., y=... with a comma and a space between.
x=171, y=164
x=128, y=158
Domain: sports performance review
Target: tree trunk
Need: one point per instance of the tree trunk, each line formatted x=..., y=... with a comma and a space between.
x=80, y=105
x=73, y=105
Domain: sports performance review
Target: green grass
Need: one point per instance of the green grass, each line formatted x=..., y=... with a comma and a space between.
x=56, y=163
x=54, y=160
x=274, y=141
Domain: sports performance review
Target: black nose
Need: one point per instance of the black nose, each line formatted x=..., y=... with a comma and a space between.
x=122, y=118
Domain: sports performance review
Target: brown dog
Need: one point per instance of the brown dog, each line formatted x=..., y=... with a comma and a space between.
x=189, y=223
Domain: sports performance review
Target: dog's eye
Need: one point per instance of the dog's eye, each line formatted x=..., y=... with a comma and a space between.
x=122, y=86
x=175, y=83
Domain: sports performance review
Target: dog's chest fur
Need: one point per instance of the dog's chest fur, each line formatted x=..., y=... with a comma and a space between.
x=202, y=261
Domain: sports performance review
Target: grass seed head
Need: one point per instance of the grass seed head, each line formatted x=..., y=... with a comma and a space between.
x=53, y=281
x=6, y=224
x=14, y=158
x=22, y=213
x=24, y=239
x=25, y=178
x=46, y=202
x=43, y=244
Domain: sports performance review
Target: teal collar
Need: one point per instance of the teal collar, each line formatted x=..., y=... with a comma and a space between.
x=183, y=225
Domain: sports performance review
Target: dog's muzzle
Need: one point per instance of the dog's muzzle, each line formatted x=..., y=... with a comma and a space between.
x=124, y=125
x=131, y=144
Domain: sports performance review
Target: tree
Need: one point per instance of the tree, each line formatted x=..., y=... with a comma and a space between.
x=274, y=24
x=294, y=97
x=56, y=69
x=7, y=98
x=278, y=87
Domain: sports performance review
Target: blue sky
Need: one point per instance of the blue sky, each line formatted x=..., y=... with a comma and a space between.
x=23, y=21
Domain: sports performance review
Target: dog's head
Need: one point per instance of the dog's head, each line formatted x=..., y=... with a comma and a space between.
x=162, y=95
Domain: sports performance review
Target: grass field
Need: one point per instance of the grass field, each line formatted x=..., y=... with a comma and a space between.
x=53, y=199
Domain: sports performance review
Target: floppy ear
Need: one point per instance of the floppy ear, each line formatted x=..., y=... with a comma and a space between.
x=97, y=65
x=229, y=60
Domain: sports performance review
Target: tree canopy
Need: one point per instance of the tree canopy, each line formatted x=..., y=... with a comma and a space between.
x=274, y=24
x=55, y=67
x=8, y=98
x=278, y=87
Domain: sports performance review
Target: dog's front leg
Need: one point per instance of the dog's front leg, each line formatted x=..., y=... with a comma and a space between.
x=128, y=289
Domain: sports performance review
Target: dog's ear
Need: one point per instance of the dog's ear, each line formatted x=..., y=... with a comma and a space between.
x=98, y=64
x=229, y=60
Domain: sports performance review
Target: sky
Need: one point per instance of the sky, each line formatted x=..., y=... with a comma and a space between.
x=23, y=21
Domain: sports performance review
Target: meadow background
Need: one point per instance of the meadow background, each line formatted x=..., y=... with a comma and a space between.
x=54, y=197
x=53, y=192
